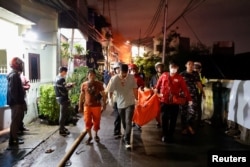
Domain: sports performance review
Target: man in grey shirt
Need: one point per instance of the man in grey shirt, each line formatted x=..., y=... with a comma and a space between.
x=126, y=93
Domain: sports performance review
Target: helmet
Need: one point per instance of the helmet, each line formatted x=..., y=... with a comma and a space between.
x=158, y=63
x=132, y=66
x=17, y=64
x=197, y=65
x=116, y=65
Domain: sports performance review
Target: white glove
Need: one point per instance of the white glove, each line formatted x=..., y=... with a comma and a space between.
x=110, y=101
x=190, y=103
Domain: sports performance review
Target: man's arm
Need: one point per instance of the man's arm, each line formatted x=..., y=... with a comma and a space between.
x=135, y=90
x=81, y=100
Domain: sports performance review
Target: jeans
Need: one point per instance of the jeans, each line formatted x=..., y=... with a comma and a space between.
x=117, y=122
x=64, y=113
x=126, y=115
x=17, y=113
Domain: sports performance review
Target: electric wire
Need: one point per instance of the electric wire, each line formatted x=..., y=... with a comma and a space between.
x=196, y=36
x=155, y=19
x=82, y=21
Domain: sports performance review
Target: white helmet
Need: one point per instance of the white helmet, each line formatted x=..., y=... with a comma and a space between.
x=158, y=63
x=116, y=65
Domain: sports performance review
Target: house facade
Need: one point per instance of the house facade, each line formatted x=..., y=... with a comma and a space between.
x=29, y=30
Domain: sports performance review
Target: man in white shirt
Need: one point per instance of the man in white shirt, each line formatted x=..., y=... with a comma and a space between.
x=126, y=93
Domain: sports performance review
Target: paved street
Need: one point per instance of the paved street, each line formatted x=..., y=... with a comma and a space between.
x=44, y=147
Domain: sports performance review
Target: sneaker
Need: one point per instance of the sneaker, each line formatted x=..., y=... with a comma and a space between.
x=164, y=139
x=127, y=145
x=117, y=135
x=15, y=142
x=24, y=129
x=64, y=133
x=89, y=141
x=97, y=138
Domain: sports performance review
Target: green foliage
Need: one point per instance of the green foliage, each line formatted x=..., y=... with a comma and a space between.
x=79, y=48
x=78, y=77
x=47, y=104
x=65, y=50
x=147, y=62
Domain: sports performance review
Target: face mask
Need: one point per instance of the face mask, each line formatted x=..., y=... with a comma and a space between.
x=173, y=70
x=132, y=72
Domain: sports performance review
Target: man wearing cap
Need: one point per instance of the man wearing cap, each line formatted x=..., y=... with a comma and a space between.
x=159, y=68
x=113, y=102
x=198, y=68
x=133, y=69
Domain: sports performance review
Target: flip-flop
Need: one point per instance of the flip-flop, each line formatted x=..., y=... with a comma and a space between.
x=49, y=151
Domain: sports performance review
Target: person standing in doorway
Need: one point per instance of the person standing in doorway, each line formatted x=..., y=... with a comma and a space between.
x=16, y=100
x=126, y=90
x=61, y=90
x=90, y=104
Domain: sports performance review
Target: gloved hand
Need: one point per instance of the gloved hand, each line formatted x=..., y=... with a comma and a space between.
x=190, y=103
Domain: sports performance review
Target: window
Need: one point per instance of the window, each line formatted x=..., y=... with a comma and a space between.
x=34, y=66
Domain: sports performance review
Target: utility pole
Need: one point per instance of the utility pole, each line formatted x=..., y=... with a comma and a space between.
x=139, y=42
x=164, y=32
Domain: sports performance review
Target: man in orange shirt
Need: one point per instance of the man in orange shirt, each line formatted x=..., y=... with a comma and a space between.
x=92, y=92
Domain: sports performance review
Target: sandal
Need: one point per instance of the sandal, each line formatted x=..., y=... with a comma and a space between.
x=88, y=141
x=97, y=138
x=191, y=130
x=49, y=151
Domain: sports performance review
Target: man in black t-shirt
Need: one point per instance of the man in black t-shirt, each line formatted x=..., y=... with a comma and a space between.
x=61, y=90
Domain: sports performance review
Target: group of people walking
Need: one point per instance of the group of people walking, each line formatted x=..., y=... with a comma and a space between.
x=121, y=92
x=127, y=81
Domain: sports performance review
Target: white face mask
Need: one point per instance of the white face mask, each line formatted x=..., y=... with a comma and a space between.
x=132, y=72
x=173, y=70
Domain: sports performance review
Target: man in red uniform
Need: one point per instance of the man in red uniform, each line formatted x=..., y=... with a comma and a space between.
x=170, y=83
x=133, y=69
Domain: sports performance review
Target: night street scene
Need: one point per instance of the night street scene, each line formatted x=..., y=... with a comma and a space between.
x=111, y=83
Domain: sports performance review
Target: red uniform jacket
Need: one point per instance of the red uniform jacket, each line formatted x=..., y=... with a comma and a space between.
x=139, y=81
x=174, y=84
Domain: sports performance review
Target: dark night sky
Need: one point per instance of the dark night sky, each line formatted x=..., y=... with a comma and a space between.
x=213, y=20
